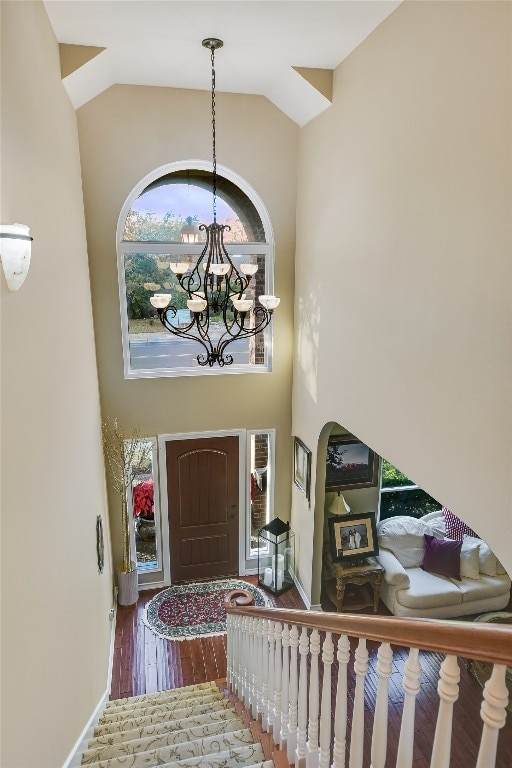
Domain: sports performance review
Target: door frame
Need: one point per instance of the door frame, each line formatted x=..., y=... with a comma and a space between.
x=164, y=506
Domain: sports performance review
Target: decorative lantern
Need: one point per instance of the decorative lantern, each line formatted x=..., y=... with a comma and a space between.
x=276, y=556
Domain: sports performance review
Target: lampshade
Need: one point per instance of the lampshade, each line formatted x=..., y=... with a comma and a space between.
x=339, y=506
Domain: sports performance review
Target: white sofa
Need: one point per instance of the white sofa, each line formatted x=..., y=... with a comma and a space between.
x=408, y=590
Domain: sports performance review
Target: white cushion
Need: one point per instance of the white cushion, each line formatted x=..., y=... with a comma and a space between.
x=403, y=536
x=469, y=560
x=428, y=591
x=500, y=571
x=487, y=559
x=487, y=587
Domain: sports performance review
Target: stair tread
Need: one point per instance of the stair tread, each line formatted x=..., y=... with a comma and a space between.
x=198, y=749
x=155, y=741
x=166, y=726
x=180, y=714
x=131, y=712
x=161, y=694
x=241, y=757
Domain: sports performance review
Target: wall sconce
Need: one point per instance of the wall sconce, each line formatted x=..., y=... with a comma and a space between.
x=15, y=252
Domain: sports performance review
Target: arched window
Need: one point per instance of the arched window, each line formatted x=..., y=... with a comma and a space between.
x=159, y=224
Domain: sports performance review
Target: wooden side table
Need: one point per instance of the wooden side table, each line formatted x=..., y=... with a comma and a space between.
x=369, y=573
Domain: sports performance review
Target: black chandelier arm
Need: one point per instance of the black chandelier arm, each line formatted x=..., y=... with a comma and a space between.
x=243, y=331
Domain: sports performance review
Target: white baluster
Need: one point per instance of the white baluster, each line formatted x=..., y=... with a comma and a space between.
x=325, y=712
x=313, y=750
x=238, y=668
x=380, y=720
x=411, y=685
x=285, y=687
x=245, y=661
x=271, y=661
x=340, y=716
x=493, y=713
x=259, y=668
x=277, y=682
x=228, y=648
x=293, y=693
x=252, y=667
x=300, y=757
x=448, y=690
x=357, y=735
x=266, y=653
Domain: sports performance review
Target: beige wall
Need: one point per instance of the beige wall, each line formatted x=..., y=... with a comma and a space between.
x=404, y=335
x=127, y=132
x=55, y=627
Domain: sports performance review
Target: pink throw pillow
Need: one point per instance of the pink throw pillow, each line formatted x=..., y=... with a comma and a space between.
x=442, y=557
x=455, y=527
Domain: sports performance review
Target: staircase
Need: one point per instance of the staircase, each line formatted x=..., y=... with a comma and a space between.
x=197, y=725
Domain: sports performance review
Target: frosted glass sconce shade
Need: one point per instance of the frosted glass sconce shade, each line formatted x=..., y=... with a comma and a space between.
x=15, y=252
x=179, y=267
x=249, y=269
x=160, y=300
x=220, y=269
x=269, y=302
x=196, y=305
x=242, y=305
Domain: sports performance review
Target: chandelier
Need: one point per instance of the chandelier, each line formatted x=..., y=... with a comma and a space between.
x=220, y=312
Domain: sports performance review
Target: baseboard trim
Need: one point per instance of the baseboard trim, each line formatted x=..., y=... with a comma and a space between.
x=300, y=589
x=74, y=759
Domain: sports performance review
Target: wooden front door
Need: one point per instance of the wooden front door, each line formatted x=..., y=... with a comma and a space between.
x=203, y=499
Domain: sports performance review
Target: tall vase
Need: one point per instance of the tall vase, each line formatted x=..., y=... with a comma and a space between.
x=128, y=586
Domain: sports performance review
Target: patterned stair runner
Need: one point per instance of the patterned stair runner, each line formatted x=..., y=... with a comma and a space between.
x=188, y=726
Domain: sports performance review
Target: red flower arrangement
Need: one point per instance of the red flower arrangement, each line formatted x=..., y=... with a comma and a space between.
x=143, y=500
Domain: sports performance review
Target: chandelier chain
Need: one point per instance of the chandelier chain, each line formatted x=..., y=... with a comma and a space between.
x=214, y=152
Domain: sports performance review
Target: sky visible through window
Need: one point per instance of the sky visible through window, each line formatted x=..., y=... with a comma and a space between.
x=183, y=200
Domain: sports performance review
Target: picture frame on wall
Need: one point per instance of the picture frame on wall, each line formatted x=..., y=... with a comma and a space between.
x=302, y=467
x=350, y=464
x=353, y=537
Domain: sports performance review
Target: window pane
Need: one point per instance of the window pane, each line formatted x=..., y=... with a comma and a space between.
x=144, y=513
x=413, y=503
x=151, y=346
x=162, y=209
x=392, y=477
x=260, y=488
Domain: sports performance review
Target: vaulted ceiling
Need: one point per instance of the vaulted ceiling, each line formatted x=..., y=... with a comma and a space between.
x=282, y=49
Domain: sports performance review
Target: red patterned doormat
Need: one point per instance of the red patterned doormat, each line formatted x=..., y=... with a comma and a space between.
x=194, y=610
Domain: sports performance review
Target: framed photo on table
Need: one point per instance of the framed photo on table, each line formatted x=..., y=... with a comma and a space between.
x=302, y=466
x=350, y=464
x=353, y=537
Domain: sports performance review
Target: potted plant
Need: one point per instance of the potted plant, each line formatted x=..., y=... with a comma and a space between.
x=126, y=457
x=143, y=496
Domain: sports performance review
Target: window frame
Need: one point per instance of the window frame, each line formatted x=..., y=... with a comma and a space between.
x=249, y=553
x=123, y=248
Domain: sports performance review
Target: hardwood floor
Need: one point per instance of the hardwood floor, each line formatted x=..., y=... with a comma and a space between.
x=144, y=663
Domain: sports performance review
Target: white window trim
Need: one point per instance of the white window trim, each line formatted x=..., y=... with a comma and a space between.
x=123, y=247
x=270, y=484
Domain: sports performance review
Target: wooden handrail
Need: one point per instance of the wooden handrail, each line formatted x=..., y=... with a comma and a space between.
x=482, y=642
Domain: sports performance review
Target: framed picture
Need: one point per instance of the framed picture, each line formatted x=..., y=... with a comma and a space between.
x=350, y=464
x=353, y=536
x=302, y=466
